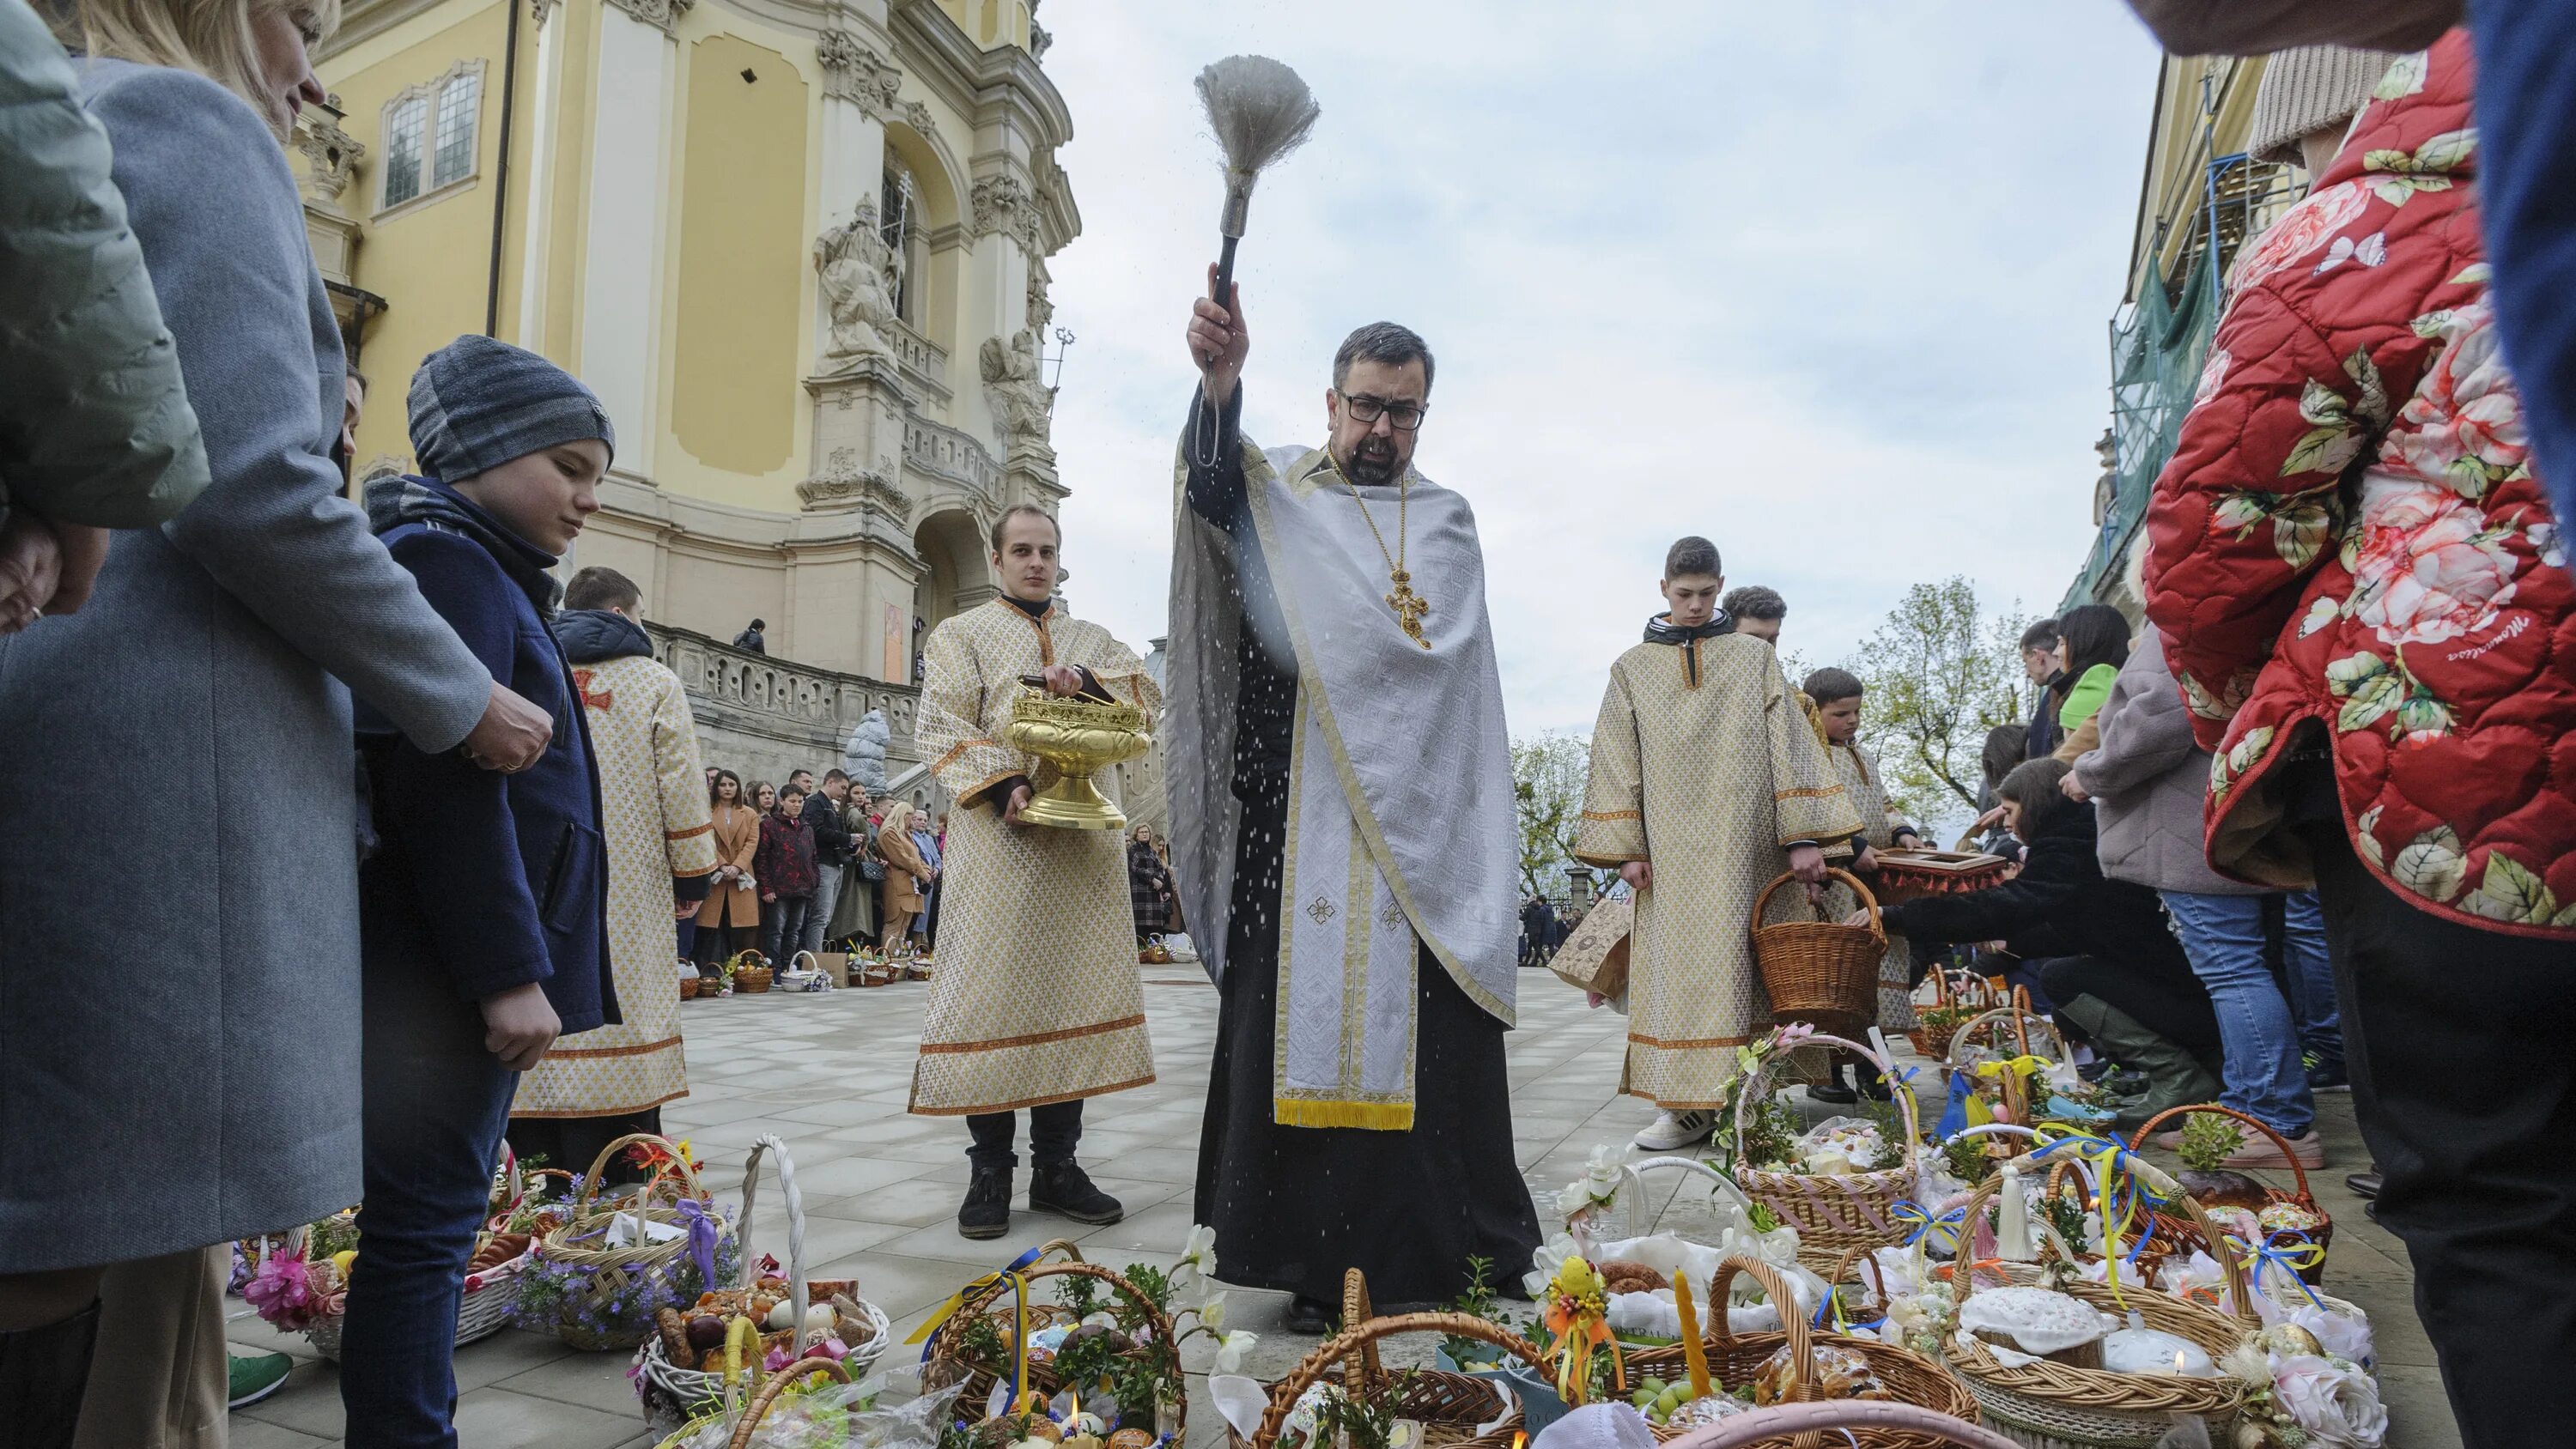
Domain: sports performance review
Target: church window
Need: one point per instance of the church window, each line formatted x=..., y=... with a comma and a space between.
x=430, y=135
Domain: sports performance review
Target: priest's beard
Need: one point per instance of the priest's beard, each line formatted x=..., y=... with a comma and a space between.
x=1373, y=462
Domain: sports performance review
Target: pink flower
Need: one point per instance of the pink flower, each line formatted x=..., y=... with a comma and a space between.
x=2428, y=569
x=2336, y=1404
x=281, y=1289
x=2302, y=229
x=2466, y=407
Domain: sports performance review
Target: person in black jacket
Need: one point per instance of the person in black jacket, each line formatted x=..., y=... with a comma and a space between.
x=833, y=851
x=2131, y=990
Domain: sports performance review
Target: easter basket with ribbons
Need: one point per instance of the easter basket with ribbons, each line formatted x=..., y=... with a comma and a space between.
x=672, y=1391
x=1738, y=1360
x=2173, y=1232
x=492, y=1276
x=1956, y=996
x=612, y=1289
x=982, y=1335
x=1831, y=1211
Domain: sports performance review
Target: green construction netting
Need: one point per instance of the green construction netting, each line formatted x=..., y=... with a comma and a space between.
x=2156, y=355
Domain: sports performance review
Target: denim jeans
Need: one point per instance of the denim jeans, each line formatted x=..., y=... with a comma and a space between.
x=2263, y=1076
x=782, y=928
x=2308, y=977
x=818, y=916
x=434, y=1108
x=1055, y=1130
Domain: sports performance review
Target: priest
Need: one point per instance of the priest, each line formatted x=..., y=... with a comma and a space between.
x=1035, y=1003
x=1343, y=822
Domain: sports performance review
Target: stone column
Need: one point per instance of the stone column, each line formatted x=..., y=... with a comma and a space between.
x=545, y=129
x=628, y=232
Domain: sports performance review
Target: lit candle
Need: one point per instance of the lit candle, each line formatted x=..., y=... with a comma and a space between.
x=2012, y=1227
x=1694, y=1353
x=2138, y=1349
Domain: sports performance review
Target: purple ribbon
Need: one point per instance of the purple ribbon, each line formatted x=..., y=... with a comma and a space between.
x=702, y=1241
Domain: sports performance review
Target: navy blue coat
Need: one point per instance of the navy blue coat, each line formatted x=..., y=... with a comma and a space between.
x=489, y=880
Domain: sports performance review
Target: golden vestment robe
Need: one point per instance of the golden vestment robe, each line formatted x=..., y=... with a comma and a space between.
x=1035, y=998
x=1703, y=765
x=1861, y=781
x=653, y=813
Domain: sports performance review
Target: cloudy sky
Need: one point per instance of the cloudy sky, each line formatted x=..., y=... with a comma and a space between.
x=1826, y=282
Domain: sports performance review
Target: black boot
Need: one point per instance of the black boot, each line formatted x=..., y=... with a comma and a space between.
x=987, y=1211
x=1832, y=1089
x=42, y=1373
x=1066, y=1190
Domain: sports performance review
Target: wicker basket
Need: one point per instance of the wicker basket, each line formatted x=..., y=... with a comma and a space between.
x=1953, y=990
x=2024, y=1024
x=688, y=988
x=620, y=1270
x=1733, y=1359
x=1832, y=1421
x=746, y=1421
x=489, y=1294
x=874, y=971
x=1451, y=1407
x=2174, y=1233
x=944, y=1357
x=1821, y=972
x=2049, y=1405
x=751, y=974
x=1835, y=1212
x=669, y=1393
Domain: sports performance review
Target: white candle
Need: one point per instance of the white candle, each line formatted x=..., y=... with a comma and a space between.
x=2012, y=1229
x=2138, y=1349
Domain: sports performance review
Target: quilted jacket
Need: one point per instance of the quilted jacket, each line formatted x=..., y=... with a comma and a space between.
x=2349, y=552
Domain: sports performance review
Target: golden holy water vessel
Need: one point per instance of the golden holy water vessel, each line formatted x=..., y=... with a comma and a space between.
x=1080, y=737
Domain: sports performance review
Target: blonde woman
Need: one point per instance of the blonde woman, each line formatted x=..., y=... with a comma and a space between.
x=222, y=649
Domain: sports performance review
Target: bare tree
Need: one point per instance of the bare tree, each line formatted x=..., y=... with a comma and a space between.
x=1548, y=775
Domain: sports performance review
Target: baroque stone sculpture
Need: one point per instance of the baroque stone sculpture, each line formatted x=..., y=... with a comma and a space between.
x=857, y=269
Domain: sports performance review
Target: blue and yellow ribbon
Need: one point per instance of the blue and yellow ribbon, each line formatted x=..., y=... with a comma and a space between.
x=1944, y=1231
x=1014, y=1275
x=2120, y=1196
x=2302, y=1254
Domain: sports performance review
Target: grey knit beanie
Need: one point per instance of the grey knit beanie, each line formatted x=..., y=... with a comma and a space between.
x=477, y=403
x=2311, y=88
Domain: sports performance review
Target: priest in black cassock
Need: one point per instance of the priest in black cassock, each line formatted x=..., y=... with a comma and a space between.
x=1343, y=821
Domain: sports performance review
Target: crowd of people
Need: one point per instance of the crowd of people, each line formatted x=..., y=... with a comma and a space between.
x=2307, y=827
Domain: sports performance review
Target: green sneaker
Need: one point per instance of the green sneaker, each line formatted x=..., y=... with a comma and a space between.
x=258, y=1376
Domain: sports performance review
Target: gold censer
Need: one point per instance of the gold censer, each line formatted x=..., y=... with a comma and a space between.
x=1079, y=737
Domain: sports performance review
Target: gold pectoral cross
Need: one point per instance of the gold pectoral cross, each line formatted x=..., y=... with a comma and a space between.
x=1409, y=607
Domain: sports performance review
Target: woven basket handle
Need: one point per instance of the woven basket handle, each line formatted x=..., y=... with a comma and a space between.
x=1780, y=1421
x=1363, y=1372
x=2021, y=1022
x=2138, y=1140
x=795, y=1201
x=1802, y=1347
x=1352, y=1339
x=1635, y=1171
x=590, y=1181
x=777, y=1385
x=2156, y=1180
x=1860, y=892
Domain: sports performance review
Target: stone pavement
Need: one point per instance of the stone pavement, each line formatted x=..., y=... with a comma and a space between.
x=828, y=1075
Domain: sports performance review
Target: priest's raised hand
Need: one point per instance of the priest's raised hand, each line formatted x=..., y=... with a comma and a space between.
x=1218, y=340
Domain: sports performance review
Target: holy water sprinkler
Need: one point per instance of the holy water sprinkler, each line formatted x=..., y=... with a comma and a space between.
x=1260, y=111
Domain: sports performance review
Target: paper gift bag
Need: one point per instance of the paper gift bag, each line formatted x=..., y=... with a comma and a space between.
x=1595, y=957
x=835, y=964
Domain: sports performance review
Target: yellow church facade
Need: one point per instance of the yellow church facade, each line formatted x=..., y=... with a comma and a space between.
x=797, y=248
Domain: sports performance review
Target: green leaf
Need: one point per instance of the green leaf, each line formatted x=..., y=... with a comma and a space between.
x=2220, y=777
x=2469, y=478
x=2373, y=403
x=2299, y=532
x=2566, y=915
x=2343, y=674
x=2320, y=614
x=2507, y=892
x=2433, y=323
x=2385, y=159
x=2242, y=755
x=2404, y=78
x=2373, y=700
x=2473, y=274
x=2240, y=511
x=2319, y=403
x=2446, y=151
x=2328, y=449
x=2431, y=865
x=2366, y=835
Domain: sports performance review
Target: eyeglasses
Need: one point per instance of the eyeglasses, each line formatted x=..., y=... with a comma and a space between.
x=1403, y=417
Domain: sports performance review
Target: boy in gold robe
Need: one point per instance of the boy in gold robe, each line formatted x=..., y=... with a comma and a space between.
x=1707, y=783
x=1035, y=1002
x=1836, y=694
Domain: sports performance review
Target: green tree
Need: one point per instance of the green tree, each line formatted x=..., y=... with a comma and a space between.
x=1548, y=775
x=1941, y=673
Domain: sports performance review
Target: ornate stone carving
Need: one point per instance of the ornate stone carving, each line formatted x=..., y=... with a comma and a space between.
x=664, y=15
x=917, y=116
x=1021, y=404
x=857, y=74
x=331, y=154
x=942, y=452
x=1039, y=40
x=843, y=484
x=858, y=281
x=538, y=10
x=1041, y=310
x=1003, y=205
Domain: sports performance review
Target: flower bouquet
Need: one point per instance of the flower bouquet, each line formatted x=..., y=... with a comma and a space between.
x=602, y=1273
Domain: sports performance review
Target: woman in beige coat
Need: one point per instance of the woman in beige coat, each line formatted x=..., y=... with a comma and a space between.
x=732, y=910
x=905, y=872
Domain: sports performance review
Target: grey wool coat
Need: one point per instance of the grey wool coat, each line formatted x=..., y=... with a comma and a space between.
x=2149, y=781
x=179, y=987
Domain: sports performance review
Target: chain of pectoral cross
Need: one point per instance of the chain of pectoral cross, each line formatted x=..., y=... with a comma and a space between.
x=1409, y=606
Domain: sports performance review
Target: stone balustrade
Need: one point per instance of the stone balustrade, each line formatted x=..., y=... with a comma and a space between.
x=762, y=717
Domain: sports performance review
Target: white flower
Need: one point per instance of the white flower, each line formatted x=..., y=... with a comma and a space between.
x=1231, y=1348
x=1212, y=1313
x=1598, y=1187
x=2334, y=1401
x=1198, y=1255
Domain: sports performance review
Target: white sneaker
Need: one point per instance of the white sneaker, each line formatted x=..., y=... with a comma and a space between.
x=1676, y=1130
